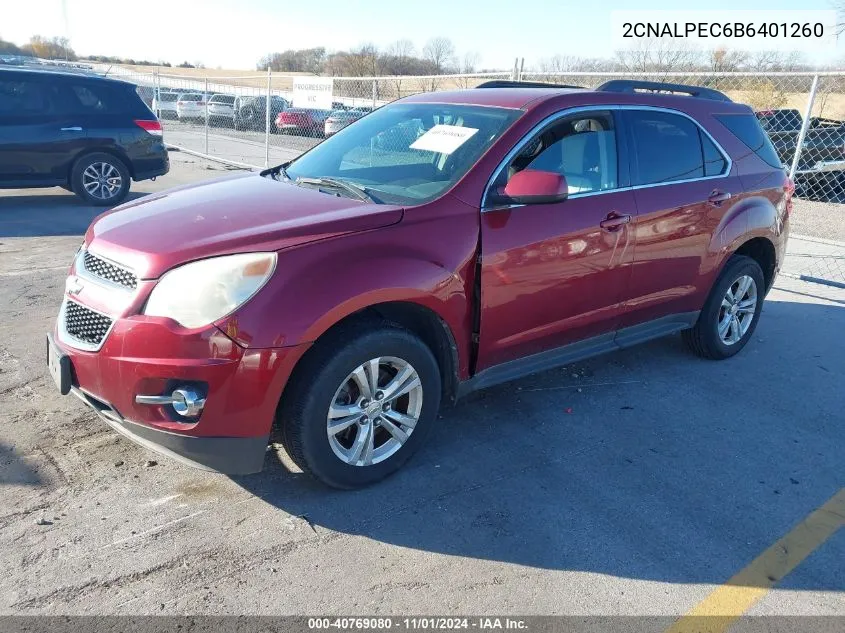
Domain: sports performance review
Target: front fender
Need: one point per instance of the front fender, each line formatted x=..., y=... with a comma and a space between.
x=319, y=284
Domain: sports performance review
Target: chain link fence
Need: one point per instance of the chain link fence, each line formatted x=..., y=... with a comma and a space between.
x=253, y=121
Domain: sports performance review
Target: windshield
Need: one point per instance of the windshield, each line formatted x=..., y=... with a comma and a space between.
x=406, y=153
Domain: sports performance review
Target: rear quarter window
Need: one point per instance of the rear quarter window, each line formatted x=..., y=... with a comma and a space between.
x=747, y=129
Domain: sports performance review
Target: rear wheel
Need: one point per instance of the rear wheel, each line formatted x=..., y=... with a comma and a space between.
x=100, y=179
x=362, y=403
x=731, y=312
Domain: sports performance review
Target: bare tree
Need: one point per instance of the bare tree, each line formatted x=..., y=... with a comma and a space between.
x=399, y=59
x=440, y=52
x=469, y=64
x=401, y=49
x=839, y=6
x=776, y=61
x=724, y=60
x=658, y=57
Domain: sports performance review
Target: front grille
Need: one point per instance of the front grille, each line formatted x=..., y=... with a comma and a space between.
x=106, y=270
x=85, y=325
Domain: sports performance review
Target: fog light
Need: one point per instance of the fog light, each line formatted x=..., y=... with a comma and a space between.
x=185, y=402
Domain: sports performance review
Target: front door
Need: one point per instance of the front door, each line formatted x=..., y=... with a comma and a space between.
x=553, y=274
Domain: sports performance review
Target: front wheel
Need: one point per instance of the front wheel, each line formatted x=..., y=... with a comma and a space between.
x=360, y=405
x=731, y=312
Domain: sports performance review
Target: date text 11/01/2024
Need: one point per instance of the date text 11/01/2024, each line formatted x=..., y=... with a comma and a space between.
x=417, y=623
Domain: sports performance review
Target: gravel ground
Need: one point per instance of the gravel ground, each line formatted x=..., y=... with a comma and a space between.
x=631, y=484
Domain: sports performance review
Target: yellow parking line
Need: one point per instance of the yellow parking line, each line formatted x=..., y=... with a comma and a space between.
x=718, y=611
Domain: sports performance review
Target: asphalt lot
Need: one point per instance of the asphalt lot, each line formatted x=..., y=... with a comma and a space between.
x=636, y=483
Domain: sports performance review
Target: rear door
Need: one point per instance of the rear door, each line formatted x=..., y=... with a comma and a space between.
x=553, y=274
x=683, y=188
x=38, y=138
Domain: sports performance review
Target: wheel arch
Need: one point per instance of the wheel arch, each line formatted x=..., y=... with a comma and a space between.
x=112, y=151
x=417, y=318
x=750, y=229
x=762, y=250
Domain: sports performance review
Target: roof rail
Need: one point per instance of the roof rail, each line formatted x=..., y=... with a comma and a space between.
x=628, y=85
x=507, y=83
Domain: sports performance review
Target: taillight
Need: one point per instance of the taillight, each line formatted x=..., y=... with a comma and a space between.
x=151, y=127
x=180, y=103
x=789, y=191
x=200, y=103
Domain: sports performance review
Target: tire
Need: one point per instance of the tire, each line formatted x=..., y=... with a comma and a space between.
x=723, y=327
x=324, y=378
x=86, y=169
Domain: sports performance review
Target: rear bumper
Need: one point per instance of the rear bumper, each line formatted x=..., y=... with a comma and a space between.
x=154, y=171
x=229, y=455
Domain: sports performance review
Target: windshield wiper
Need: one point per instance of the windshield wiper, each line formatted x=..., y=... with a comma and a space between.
x=280, y=173
x=357, y=191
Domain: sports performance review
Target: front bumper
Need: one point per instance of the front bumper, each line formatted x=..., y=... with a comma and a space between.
x=151, y=356
x=230, y=455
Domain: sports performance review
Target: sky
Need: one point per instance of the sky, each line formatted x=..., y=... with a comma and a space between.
x=235, y=34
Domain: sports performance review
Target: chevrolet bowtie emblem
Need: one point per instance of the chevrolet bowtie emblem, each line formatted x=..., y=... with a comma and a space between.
x=73, y=285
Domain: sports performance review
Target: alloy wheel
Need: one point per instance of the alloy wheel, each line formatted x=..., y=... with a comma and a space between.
x=374, y=411
x=102, y=180
x=737, y=310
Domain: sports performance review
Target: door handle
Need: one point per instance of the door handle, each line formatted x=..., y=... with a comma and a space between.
x=614, y=221
x=718, y=197
x=75, y=128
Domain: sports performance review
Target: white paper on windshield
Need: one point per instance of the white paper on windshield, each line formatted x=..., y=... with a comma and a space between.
x=444, y=139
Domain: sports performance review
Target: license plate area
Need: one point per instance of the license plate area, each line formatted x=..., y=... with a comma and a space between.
x=58, y=364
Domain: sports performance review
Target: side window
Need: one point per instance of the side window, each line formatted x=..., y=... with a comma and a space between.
x=670, y=147
x=24, y=98
x=714, y=162
x=88, y=101
x=582, y=148
x=83, y=99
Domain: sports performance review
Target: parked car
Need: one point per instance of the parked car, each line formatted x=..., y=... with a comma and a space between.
x=165, y=104
x=821, y=165
x=302, y=121
x=221, y=109
x=339, y=119
x=250, y=112
x=88, y=134
x=343, y=296
x=190, y=106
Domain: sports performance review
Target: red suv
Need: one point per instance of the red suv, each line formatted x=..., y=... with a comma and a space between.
x=447, y=242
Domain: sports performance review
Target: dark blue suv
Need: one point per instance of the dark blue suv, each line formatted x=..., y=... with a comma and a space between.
x=89, y=134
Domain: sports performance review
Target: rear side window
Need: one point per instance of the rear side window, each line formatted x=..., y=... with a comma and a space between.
x=670, y=147
x=746, y=128
x=89, y=100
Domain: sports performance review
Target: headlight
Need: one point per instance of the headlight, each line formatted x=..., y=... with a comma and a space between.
x=205, y=291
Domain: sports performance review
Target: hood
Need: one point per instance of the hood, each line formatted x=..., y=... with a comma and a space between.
x=237, y=214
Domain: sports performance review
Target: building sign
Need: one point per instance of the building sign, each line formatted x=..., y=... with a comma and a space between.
x=312, y=92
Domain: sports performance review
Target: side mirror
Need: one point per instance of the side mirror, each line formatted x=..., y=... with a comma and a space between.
x=532, y=186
